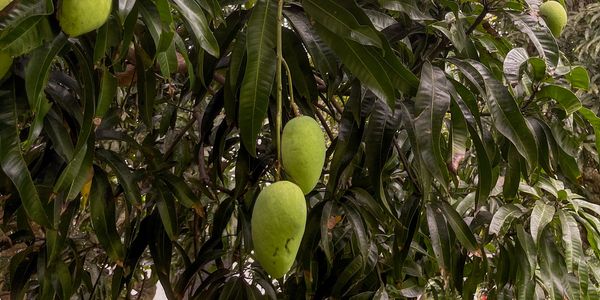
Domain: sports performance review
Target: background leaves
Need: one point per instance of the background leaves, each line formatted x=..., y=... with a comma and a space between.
x=462, y=150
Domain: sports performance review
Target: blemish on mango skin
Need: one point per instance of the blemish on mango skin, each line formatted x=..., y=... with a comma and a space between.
x=286, y=245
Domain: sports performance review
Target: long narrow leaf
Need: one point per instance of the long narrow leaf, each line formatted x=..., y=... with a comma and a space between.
x=541, y=215
x=196, y=21
x=13, y=164
x=571, y=240
x=260, y=72
x=346, y=20
x=102, y=210
x=460, y=228
x=504, y=216
x=431, y=105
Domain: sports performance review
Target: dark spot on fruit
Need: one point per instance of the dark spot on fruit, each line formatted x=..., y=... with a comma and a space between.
x=286, y=244
x=276, y=249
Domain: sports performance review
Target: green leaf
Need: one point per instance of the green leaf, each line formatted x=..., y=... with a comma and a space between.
x=528, y=245
x=108, y=91
x=26, y=20
x=182, y=191
x=300, y=68
x=260, y=72
x=326, y=243
x=360, y=230
x=101, y=44
x=146, y=87
x=347, y=20
x=571, y=240
x=195, y=20
x=461, y=97
x=579, y=78
x=13, y=164
x=541, y=216
x=513, y=62
x=161, y=249
x=348, y=141
x=36, y=79
x=594, y=120
x=565, y=97
x=351, y=271
x=166, y=209
x=29, y=35
x=103, y=216
x=505, y=112
x=123, y=173
x=84, y=75
x=22, y=267
x=431, y=104
x=69, y=174
x=382, y=74
x=440, y=238
x=378, y=142
x=540, y=36
x=155, y=24
x=504, y=217
x=512, y=176
x=167, y=60
x=460, y=228
x=322, y=56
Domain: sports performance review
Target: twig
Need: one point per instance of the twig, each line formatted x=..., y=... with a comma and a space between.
x=279, y=89
x=291, y=90
x=322, y=119
x=179, y=136
x=479, y=18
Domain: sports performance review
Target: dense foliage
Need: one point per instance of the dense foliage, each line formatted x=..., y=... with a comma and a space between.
x=456, y=141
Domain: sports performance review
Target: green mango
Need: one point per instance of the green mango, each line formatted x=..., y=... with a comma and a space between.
x=278, y=222
x=4, y=3
x=5, y=63
x=303, y=152
x=555, y=16
x=77, y=17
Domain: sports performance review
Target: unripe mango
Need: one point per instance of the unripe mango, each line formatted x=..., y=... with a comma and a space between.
x=303, y=152
x=278, y=222
x=5, y=63
x=555, y=16
x=77, y=17
x=4, y=3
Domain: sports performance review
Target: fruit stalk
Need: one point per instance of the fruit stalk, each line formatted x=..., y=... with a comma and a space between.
x=279, y=89
x=295, y=108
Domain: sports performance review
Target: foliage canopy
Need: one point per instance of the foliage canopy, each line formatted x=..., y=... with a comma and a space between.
x=455, y=131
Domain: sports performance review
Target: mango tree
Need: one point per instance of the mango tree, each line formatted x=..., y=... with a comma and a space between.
x=134, y=148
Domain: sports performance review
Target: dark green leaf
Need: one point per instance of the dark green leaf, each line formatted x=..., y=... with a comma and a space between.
x=103, y=215
x=579, y=78
x=460, y=228
x=504, y=217
x=381, y=74
x=440, y=238
x=322, y=56
x=571, y=240
x=565, y=97
x=540, y=36
x=347, y=20
x=13, y=164
x=196, y=21
x=541, y=216
x=260, y=72
x=124, y=175
x=431, y=105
